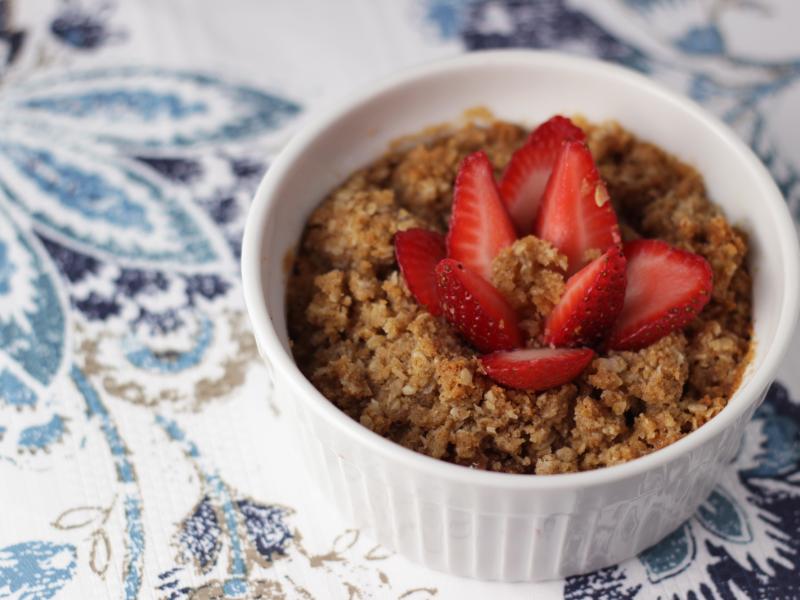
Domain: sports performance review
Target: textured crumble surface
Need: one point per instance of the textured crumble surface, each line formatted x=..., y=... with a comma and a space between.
x=368, y=346
x=530, y=274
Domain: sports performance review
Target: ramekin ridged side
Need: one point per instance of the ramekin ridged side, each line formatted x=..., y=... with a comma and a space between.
x=493, y=537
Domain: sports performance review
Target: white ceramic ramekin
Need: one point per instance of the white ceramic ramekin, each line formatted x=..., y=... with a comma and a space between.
x=493, y=525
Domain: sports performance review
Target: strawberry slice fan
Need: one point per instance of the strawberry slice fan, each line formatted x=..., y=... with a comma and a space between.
x=475, y=307
x=418, y=251
x=525, y=177
x=592, y=301
x=617, y=296
x=479, y=225
x=576, y=215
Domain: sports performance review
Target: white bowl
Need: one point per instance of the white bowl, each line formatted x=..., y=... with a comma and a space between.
x=494, y=525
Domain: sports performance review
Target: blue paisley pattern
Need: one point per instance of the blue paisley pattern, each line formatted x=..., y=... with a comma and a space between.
x=123, y=341
x=142, y=220
x=41, y=437
x=95, y=187
x=221, y=519
x=83, y=29
x=35, y=569
x=33, y=336
x=32, y=327
x=200, y=535
x=723, y=517
x=140, y=102
x=671, y=556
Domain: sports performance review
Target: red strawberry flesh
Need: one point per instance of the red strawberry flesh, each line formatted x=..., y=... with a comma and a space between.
x=536, y=369
x=667, y=288
x=525, y=178
x=591, y=303
x=576, y=215
x=479, y=226
x=418, y=251
x=476, y=308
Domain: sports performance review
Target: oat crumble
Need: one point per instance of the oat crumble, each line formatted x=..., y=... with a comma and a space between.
x=368, y=346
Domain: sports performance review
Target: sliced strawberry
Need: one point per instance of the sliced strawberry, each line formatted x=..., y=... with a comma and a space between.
x=667, y=288
x=476, y=308
x=479, y=226
x=525, y=178
x=536, y=368
x=418, y=252
x=576, y=215
x=591, y=302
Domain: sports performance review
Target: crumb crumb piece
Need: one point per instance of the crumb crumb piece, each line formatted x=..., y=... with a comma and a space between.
x=530, y=275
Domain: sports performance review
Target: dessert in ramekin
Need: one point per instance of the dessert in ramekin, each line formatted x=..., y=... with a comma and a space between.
x=602, y=298
x=510, y=526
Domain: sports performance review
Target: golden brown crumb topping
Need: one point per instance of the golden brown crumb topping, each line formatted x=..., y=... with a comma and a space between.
x=366, y=344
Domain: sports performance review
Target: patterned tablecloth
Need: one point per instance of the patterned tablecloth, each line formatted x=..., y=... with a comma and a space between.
x=140, y=453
